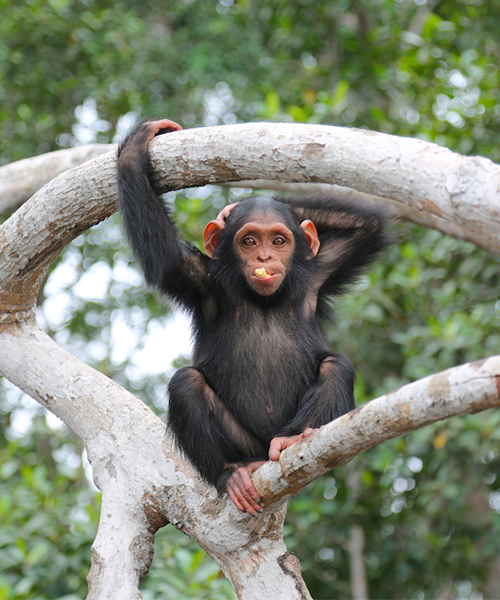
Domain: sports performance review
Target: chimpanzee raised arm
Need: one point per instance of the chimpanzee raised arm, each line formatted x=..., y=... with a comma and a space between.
x=262, y=375
x=170, y=264
x=350, y=235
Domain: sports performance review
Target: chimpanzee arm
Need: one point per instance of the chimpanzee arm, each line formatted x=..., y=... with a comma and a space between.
x=351, y=237
x=169, y=263
x=331, y=396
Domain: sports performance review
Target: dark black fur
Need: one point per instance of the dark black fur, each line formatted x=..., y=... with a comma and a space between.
x=261, y=365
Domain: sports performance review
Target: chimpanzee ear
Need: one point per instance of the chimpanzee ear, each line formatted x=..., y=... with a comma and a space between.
x=211, y=236
x=311, y=234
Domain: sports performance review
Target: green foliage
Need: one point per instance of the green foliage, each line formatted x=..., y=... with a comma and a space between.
x=390, y=66
x=424, y=503
x=77, y=72
x=430, y=304
x=48, y=515
x=182, y=570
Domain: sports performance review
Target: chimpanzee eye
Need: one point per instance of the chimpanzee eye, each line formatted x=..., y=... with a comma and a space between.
x=279, y=241
x=249, y=241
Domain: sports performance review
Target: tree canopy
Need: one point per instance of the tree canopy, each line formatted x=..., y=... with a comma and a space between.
x=72, y=73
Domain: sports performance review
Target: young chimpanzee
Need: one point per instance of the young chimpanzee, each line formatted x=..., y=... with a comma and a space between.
x=263, y=376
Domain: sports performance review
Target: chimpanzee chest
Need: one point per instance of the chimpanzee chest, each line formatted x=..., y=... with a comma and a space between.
x=261, y=373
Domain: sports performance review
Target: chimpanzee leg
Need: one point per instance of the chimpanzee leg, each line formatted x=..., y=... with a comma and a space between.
x=206, y=431
x=331, y=396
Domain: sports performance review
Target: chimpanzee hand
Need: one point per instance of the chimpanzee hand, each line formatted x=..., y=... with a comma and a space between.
x=214, y=228
x=242, y=491
x=136, y=143
x=280, y=443
x=165, y=126
x=224, y=213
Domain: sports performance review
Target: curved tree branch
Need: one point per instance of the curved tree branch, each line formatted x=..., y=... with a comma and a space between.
x=462, y=390
x=37, y=232
x=461, y=192
x=21, y=179
x=145, y=483
x=423, y=182
x=456, y=190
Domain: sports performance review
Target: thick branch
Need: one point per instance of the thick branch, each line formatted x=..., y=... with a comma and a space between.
x=460, y=194
x=37, y=232
x=461, y=191
x=21, y=179
x=467, y=389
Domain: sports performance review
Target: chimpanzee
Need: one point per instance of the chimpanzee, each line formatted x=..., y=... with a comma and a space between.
x=262, y=375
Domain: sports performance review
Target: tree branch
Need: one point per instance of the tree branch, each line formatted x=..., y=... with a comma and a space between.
x=456, y=190
x=462, y=390
x=145, y=483
x=423, y=182
x=37, y=232
x=21, y=179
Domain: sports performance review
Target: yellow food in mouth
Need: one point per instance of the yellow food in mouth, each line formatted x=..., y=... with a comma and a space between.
x=261, y=273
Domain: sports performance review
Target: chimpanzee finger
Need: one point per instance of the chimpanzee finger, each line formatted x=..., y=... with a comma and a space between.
x=166, y=126
x=245, y=505
x=277, y=445
x=225, y=212
x=234, y=489
x=307, y=432
x=240, y=501
x=234, y=497
x=248, y=485
x=243, y=489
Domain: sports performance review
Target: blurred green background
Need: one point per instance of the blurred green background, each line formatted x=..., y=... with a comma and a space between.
x=75, y=72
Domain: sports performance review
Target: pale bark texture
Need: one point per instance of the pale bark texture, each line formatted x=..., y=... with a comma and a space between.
x=20, y=180
x=145, y=483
